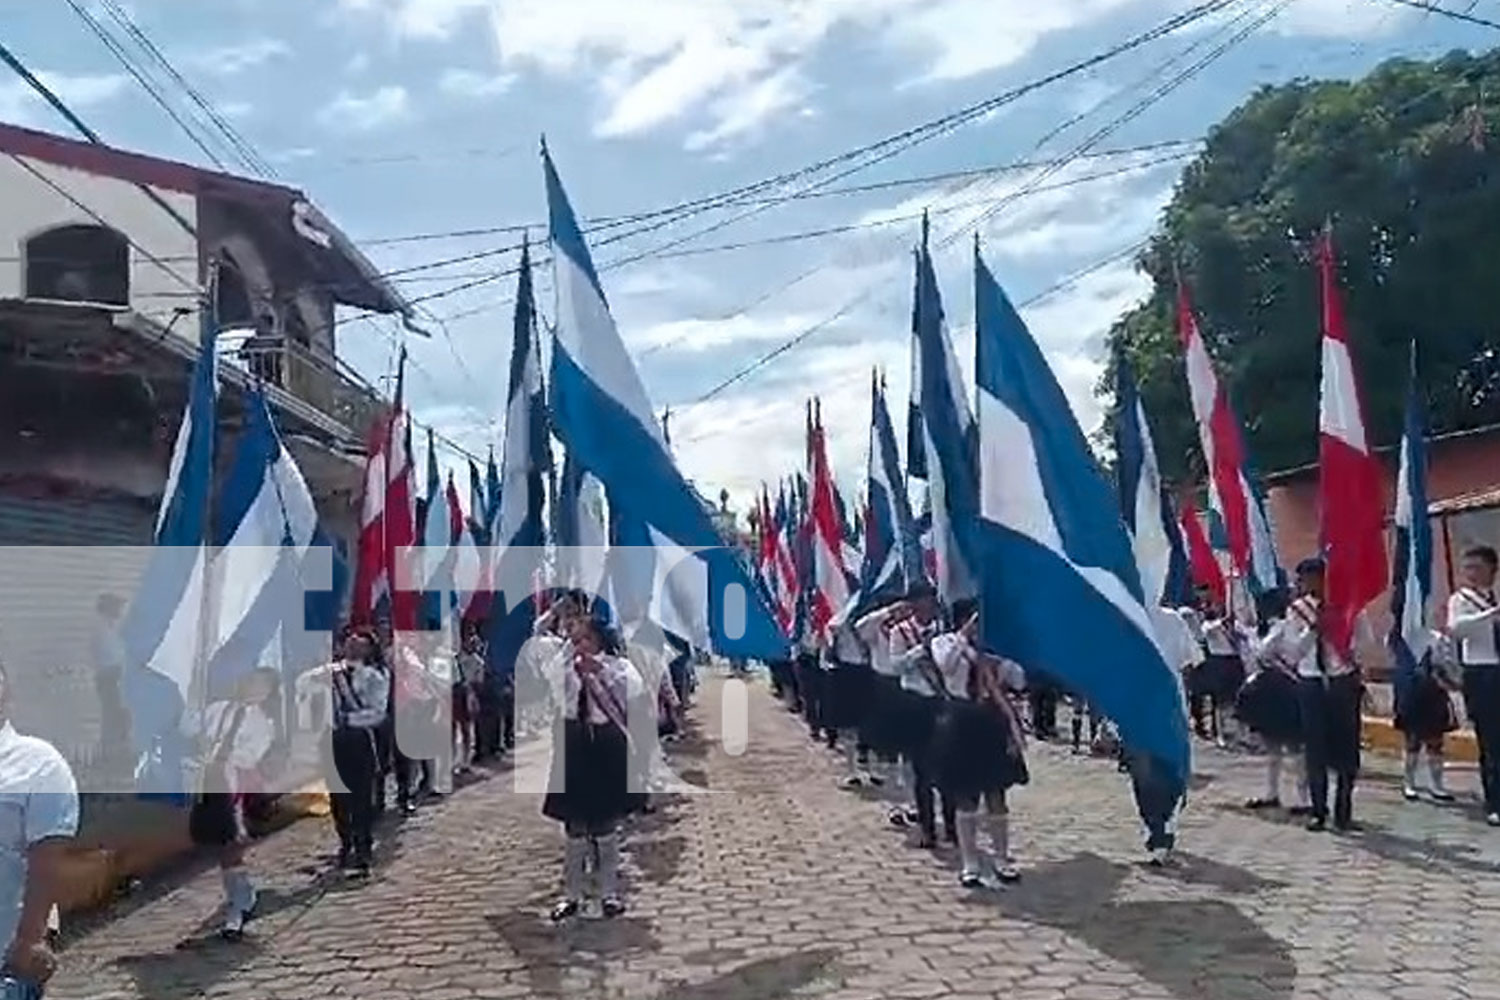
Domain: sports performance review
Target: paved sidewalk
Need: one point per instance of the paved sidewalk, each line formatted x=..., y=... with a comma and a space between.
x=777, y=884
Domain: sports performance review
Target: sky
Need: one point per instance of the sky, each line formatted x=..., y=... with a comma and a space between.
x=410, y=118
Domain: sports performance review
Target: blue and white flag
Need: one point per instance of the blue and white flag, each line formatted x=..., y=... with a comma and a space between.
x=1061, y=591
x=892, y=554
x=948, y=435
x=166, y=628
x=1411, y=580
x=581, y=528
x=267, y=524
x=437, y=546
x=1160, y=554
x=518, y=493
x=604, y=418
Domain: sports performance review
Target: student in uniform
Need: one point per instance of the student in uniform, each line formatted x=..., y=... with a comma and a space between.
x=1268, y=706
x=849, y=682
x=1475, y=623
x=1217, y=681
x=358, y=697
x=588, y=792
x=978, y=753
x=879, y=729
x=1329, y=692
x=1424, y=717
x=236, y=735
x=917, y=708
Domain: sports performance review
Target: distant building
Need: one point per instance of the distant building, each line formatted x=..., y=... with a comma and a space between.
x=1463, y=485
x=102, y=255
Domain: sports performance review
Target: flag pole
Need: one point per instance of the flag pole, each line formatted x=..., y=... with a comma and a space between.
x=207, y=620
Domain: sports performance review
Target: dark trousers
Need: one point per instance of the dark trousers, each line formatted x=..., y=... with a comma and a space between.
x=1482, y=703
x=926, y=788
x=811, y=682
x=1043, y=698
x=355, y=759
x=1330, y=731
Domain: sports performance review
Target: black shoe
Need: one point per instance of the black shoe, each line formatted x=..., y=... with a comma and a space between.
x=1317, y=824
x=971, y=881
x=565, y=910
x=408, y=808
x=345, y=854
x=1265, y=803
x=613, y=907
x=1299, y=811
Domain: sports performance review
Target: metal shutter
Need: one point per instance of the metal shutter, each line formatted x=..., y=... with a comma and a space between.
x=59, y=555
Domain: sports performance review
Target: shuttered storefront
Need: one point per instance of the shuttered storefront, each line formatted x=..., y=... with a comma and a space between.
x=59, y=555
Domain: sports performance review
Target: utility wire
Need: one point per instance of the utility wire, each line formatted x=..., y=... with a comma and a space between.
x=1455, y=15
x=801, y=337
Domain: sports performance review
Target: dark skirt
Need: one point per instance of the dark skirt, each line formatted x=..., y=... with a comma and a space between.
x=1426, y=713
x=461, y=713
x=880, y=730
x=974, y=752
x=590, y=785
x=1218, y=677
x=849, y=693
x=1268, y=706
x=216, y=820
x=913, y=721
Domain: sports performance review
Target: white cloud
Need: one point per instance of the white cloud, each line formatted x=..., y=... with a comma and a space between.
x=227, y=60
x=362, y=113
x=22, y=105
x=729, y=65
x=467, y=83
x=697, y=335
x=742, y=113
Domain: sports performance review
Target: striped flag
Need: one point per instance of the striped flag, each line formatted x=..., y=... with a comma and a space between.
x=1411, y=576
x=830, y=575
x=1350, y=482
x=1231, y=489
x=1144, y=503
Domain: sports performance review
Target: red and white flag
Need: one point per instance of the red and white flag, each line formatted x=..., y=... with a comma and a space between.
x=388, y=528
x=830, y=575
x=1351, y=485
x=1202, y=566
x=1245, y=525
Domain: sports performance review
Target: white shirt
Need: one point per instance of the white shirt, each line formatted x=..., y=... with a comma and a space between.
x=252, y=740
x=1471, y=621
x=871, y=630
x=908, y=651
x=955, y=658
x=366, y=688
x=1174, y=631
x=1218, y=640
x=108, y=648
x=845, y=648
x=38, y=801
x=471, y=667
x=1294, y=640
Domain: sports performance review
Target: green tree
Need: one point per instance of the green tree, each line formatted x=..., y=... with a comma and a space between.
x=1400, y=162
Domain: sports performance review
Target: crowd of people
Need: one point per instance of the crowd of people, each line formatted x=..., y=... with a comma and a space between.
x=921, y=713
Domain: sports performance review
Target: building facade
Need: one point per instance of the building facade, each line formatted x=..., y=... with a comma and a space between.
x=103, y=258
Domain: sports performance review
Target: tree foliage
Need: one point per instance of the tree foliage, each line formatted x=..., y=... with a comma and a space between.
x=1399, y=162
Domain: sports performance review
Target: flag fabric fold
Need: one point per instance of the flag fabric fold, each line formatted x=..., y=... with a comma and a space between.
x=1350, y=481
x=1411, y=576
x=1061, y=591
x=1231, y=482
x=1144, y=502
x=603, y=417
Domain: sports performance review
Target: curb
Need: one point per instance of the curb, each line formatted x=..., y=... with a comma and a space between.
x=1381, y=735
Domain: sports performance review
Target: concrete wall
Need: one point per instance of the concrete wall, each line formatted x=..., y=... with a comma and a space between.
x=1458, y=466
x=29, y=205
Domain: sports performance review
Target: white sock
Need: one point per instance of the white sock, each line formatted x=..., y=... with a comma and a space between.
x=999, y=824
x=575, y=860
x=1409, y=762
x=608, y=847
x=1435, y=770
x=1273, y=774
x=967, y=824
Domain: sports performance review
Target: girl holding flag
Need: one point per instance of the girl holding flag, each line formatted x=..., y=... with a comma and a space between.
x=588, y=789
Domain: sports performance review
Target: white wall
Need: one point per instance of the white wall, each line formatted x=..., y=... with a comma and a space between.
x=28, y=205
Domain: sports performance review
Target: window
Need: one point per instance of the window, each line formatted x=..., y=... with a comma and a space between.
x=79, y=264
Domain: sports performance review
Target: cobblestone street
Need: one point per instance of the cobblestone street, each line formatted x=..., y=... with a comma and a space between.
x=777, y=884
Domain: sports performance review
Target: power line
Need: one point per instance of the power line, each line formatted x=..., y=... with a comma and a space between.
x=878, y=152
x=604, y=222
x=865, y=294
x=135, y=71
x=1433, y=8
x=242, y=147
